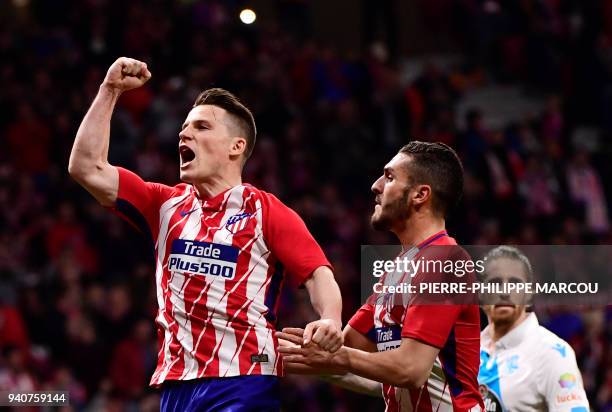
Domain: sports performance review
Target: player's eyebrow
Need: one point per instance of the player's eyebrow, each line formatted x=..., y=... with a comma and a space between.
x=388, y=170
x=197, y=121
x=516, y=279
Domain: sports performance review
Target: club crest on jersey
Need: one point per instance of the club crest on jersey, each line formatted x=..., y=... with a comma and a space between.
x=203, y=258
x=237, y=222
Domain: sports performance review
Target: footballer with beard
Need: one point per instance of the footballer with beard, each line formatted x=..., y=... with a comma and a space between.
x=420, y=356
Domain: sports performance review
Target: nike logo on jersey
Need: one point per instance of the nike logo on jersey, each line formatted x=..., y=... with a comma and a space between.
x=184, y=213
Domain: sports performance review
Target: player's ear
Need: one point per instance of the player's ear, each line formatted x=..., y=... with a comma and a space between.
x=237, y=146
x=421, y=194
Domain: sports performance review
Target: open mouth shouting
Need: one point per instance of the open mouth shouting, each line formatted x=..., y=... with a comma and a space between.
x=187, y=155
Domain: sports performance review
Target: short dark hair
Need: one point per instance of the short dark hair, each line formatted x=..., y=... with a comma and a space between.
x=230, y=103
x=437, y=165
x=512, y=253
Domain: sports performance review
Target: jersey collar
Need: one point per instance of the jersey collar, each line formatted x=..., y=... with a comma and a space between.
x=216, y=202
x=515, y=337
x=431, y=239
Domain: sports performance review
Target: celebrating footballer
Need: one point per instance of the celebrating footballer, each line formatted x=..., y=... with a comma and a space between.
x=222, y=249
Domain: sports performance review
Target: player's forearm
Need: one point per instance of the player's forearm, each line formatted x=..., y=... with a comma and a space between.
x=355, y=383
x=90, y=149
x=325, y=295
x=347, y=381
x=391, y=367
x=301, y=369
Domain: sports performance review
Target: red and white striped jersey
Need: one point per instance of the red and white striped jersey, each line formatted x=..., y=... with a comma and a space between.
x=453, y=328
x=220, y=265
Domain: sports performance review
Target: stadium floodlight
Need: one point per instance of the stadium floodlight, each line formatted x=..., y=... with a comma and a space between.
x=247, y=16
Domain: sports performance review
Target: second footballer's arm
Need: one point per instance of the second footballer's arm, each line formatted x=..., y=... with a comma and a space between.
x=352, y=338
x=350, y=381
x=326, y=300
x=89, y=157
x=407, y=366
x=355, y=383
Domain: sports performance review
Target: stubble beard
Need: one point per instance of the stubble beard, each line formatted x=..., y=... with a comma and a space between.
x=391, y=214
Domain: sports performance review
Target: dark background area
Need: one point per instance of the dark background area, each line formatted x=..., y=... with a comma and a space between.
x=521, y=89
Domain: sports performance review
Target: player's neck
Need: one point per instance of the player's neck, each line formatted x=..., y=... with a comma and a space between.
x=217, y=184
x=501, y=330
x=418, y=228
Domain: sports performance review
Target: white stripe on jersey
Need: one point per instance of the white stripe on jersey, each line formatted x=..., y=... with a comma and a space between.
x=439, y=391
x=178, y=303
x=257, y=270
x=217, y=297
x=178, y=283
x=166, y=211
x=258, y=264
x=404, y=401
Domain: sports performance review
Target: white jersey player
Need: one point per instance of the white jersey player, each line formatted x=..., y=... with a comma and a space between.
x=523, y=366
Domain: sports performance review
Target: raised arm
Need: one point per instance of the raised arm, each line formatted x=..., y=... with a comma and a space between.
x=89, y=157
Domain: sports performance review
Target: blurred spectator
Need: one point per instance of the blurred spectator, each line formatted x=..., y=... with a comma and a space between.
x=29, y=141
x=586, y=191
x=133, y=361
x=12, y=329
x=14, y=374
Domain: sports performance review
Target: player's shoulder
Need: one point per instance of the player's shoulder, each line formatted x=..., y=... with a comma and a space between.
x=249, y=188
x=267, y=199
x=551, y=346
x=169, y=192
x=254, y=191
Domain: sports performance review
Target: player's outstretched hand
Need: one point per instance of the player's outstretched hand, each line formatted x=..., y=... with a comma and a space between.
x=286, y=343
x=290, y=337
x=296, y=353
x=324, y=332
x=126, y=74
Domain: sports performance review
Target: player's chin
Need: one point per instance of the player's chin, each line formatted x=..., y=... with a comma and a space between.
x=374, y=219
x=504, y=311
x=378, y=221
x=185, y=176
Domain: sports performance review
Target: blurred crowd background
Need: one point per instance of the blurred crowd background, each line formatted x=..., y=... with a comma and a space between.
x=77, y=298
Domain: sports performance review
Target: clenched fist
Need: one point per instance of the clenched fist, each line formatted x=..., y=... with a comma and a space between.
x=126, y=74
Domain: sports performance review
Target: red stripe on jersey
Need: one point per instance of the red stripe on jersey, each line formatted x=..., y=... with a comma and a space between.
x=390, y=400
